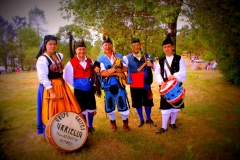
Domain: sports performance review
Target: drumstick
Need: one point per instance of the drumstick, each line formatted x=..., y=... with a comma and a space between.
x=61, y=97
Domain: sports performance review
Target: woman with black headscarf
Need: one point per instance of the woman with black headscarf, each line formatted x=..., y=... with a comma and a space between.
x=54, y=95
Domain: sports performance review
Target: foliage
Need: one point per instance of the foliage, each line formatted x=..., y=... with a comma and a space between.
x=28, y=42
x=20, y=22
x=7, y=37
x=217, y=25
x=36, y=18
x=30, y=59
x=121, y=19
x=28, y=38
x=21, y=39
x=95, y=51
x=188, y=154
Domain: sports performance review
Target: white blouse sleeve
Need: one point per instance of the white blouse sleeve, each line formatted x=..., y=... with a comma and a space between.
x=42, y=71
x=125, y=60
x=182, y=73
x=68, y=73
x=157, y=74
x=102, y=67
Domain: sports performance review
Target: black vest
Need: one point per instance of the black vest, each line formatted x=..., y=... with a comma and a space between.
x=174, y=66
x=53, y=75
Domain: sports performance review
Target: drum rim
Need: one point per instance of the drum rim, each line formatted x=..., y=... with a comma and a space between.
x=178, y=98
x=170, y=87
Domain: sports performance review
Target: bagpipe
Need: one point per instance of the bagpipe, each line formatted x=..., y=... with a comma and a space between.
x=118, y=64
x=94, y=75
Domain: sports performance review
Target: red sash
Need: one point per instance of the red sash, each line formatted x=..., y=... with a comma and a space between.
x=137, y=79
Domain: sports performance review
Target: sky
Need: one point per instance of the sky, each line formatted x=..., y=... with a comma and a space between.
x=12, y=8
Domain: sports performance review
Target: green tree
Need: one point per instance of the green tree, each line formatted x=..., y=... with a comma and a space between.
x=28, y=41
x=121, y=19
x=95, y=51
x=7, y=37
x=36, y=19
x=217, y=23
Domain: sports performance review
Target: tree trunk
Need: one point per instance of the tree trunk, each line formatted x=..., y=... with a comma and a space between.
x=173, y=33
x=173, y=26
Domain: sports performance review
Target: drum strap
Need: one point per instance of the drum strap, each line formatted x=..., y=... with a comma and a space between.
x=168, y=65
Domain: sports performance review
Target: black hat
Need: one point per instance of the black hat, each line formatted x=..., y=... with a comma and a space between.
x=79, y=44
x=168, y=40
x=135, y=39
x=106, y=39
x=43, y=45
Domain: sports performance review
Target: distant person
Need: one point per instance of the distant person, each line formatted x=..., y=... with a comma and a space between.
x=18, y=69
x=214, y=65
x=208, y=66
x=170, y=67
x=54, y=95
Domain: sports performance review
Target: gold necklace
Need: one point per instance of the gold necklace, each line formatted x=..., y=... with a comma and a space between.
x=50, y=54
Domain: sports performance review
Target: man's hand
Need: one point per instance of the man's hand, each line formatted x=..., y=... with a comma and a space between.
x=163, y=85
x=120, y=74
x=171, y=77
x=149, y=63
x=97, y=69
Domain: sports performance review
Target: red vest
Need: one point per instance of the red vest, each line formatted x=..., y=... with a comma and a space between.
x=79, y=71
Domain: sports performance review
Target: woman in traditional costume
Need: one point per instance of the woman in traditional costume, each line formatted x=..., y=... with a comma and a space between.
x=54, y=95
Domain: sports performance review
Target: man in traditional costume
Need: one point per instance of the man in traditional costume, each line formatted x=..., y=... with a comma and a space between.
x=170, y=67
x=140, y=78
x=78, y=73
x=114, y=92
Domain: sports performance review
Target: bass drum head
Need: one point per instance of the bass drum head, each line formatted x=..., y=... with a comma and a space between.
x=66, y=131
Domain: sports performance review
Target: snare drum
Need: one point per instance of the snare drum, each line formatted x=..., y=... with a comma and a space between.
x=66, y=131
x=173, y=92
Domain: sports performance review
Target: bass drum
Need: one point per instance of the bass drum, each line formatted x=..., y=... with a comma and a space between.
x=66, y=131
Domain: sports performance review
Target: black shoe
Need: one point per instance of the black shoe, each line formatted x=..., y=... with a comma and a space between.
x=174, y=127
x=161, y=130
x=140, y=123
x=151, y=122
x=91, y=130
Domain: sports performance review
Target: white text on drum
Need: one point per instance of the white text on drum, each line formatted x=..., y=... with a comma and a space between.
x=66, y=142
x=81, y=123
x=61, y=116
x=69, y=130
x=67, y=137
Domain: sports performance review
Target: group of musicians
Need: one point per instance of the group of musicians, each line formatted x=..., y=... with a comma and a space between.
x=111, y=69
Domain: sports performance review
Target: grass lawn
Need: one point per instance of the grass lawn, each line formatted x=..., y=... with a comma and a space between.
x=209, y=125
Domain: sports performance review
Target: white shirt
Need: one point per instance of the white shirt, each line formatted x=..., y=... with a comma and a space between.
x=126, y=59
x=180, y=75
x=42, y=70
x=68, y=73
x=112, y=60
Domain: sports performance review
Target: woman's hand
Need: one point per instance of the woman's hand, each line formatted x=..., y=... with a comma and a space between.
x=53, y=96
